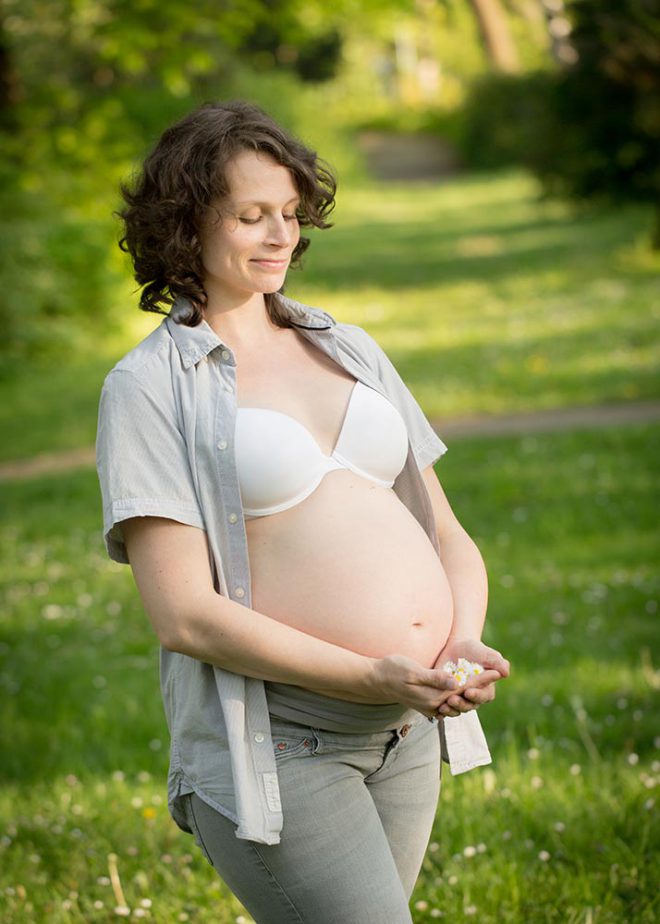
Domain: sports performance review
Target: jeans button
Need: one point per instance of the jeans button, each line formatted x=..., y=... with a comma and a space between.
x=404, y=730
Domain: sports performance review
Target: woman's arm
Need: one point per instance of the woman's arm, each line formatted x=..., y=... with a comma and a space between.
x=468, y=581
x=171, y=568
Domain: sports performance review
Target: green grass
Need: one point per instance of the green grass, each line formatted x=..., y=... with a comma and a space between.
x=558, y=829
x=487, y=300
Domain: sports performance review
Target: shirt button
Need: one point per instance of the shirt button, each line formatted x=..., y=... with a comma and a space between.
x=225, y=354
x=222, y=444
x=259, y=737
x=232, y=517
x=239, y=592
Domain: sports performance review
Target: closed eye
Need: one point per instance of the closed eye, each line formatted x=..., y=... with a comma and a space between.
x=253, y=221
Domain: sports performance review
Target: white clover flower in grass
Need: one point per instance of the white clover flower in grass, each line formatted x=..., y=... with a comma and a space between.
x=421, y=905
x=98, y=904
x=576, y=769
x=146, y=902
x=559, y=826
x=469, y=851
x=536, y=782
x=633, y=759
x=122, y=911
x=544, y=856
x=533, y=753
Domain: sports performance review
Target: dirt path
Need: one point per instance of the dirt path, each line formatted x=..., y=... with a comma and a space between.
x=567, y=418
x=570, y=418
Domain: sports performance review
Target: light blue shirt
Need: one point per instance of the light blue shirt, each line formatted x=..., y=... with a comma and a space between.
x=165, y=447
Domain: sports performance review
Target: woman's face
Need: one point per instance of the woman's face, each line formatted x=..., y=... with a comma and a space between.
x=249, y=249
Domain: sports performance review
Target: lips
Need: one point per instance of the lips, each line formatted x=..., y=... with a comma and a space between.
x=267, y=262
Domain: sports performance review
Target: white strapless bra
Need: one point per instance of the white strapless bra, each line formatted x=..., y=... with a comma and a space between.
x=280, y=463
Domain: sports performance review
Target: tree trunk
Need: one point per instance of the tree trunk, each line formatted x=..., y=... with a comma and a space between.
x=8, y=84
x=495, y=35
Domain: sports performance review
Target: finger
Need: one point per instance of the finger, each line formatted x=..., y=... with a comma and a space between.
x=441, y=680
x=457, y=704
x=483, y=680
x=447, y=711
x=497, y=662
x=480, y=694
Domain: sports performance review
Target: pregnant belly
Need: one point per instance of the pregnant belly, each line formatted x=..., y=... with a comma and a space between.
x=351, y=565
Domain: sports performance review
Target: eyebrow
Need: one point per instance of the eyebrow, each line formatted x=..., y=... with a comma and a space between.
x=254, y=202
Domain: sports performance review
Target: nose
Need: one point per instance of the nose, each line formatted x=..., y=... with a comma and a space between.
x=279, y=231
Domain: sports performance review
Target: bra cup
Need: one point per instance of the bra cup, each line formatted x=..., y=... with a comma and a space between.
x=274, y=449
x=375, y=437
x=280, y=463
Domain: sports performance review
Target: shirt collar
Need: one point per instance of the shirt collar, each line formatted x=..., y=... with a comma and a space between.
x=194, y=343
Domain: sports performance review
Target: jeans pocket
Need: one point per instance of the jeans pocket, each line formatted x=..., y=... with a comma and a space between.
x=288, y=744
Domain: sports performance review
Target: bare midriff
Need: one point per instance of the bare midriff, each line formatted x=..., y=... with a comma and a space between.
x=351, y=565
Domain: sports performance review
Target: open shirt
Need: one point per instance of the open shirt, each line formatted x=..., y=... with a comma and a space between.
x=165, y=448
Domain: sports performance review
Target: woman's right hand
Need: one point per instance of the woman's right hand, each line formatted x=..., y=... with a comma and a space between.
x=400, y=679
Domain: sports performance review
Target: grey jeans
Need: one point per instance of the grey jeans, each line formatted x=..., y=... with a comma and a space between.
x=358, y=812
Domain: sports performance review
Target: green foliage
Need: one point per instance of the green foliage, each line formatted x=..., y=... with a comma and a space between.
x=590, y=131
x=118, y=74
x=489, y=301
x=504, y=119
x=55, y=271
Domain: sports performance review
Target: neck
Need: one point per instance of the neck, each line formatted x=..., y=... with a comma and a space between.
x=243, y=323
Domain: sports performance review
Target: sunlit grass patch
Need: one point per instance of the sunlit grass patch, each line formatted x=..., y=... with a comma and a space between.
x=558, y=829
x=487, y=299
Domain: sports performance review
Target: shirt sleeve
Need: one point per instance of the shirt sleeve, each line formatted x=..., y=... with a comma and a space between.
x=141, y=459
x=426, y=445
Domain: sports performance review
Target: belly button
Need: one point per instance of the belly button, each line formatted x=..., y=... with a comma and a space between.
x=417, y=624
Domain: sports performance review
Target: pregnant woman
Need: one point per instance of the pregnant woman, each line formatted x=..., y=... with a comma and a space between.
x=269, y=477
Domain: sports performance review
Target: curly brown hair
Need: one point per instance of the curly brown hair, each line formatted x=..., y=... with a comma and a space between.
x=183, y=174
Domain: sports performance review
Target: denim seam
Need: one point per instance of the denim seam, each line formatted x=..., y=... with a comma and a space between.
x=197, y=832
x=275, y=880
x=392, y=748
x=254, y=850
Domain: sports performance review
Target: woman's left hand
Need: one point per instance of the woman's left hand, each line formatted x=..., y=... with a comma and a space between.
x=480, y=689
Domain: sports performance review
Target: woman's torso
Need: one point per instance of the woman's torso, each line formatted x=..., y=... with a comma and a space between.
x=367, y=576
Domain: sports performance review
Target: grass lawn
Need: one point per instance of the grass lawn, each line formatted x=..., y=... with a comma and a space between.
x=486, y=299
x=557, y=829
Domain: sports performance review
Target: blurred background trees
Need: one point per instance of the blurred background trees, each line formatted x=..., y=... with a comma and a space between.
x=568, y=89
